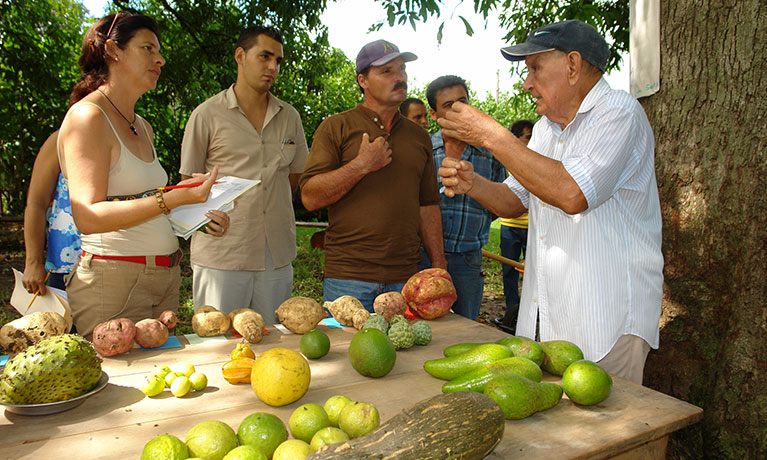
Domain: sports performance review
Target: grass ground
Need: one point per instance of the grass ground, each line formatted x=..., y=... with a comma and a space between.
x=307, y=274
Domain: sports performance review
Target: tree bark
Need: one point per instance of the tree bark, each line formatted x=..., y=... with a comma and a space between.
x=709, y=119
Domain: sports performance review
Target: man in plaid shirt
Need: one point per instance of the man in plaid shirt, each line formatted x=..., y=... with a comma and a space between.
x=465, y=223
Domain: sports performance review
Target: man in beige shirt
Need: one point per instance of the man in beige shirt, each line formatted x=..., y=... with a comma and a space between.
x=248, y=133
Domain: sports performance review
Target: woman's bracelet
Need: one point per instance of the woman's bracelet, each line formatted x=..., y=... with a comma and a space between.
x=161, y=202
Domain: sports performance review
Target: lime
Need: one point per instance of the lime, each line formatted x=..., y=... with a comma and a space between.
x=306, y=420
x=358, y=419
x=165, y=447
x=327, y=436
x=292, y=449
x=371, y=353
x=586, y=383
x=314, y=344
x=333, y=407
x=180, y=386
x=199, y=381
x=211, y=440
x=183, y=367
x=263, y=431
x=245, y=453
x=152, y=385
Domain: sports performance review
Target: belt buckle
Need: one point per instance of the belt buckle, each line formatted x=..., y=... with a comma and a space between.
x=175, y=258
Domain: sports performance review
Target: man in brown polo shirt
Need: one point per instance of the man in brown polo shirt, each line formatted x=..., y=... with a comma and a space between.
x=248, y=133
x=373, y=168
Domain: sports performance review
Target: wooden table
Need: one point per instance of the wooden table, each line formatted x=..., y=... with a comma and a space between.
x=634, y=422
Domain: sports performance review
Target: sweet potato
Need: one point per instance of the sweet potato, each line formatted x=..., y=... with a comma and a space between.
x=389, y=304
x=248, y=323
x=151, y=333
x=28, y=330
x=168, y=318
x=300, y=314
x=114, y=337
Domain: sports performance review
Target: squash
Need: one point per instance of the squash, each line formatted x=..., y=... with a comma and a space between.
x=463, y=425
x=238, y=370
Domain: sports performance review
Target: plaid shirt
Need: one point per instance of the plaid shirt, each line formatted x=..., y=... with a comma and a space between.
x=465, y=223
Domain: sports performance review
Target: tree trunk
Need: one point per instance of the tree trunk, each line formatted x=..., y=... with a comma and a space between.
x=709, y=119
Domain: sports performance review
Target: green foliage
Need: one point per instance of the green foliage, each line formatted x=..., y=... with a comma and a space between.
x=610, y=17
x=38, y=40
x=41, y=40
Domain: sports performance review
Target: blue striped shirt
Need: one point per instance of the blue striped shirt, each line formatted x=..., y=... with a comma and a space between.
x=465, y=223
x=597, y=275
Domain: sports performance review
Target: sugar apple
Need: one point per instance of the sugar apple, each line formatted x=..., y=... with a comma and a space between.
x=401, y=335
x=56, y=369
x=396, y=319
x=378, y=322
x=422, y=333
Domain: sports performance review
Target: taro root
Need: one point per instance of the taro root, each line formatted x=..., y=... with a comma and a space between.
x=114, y=337
x=430, y=293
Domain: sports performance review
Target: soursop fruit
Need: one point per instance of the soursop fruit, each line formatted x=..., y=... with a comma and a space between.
x=422, y=333
x=401, y=335
x=397, y=319
x=56, y=369
x=378, y=322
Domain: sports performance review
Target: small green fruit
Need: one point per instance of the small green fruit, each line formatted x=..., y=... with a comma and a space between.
x=152, y=385
x=183, y=367
x=180, y=386
x=199, y=381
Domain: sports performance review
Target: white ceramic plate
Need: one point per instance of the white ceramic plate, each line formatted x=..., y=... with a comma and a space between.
x=59, y=406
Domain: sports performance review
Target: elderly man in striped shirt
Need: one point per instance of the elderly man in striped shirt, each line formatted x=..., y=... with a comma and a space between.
x=594, y=269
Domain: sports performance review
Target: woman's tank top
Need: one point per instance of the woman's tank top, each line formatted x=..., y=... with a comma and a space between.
x=129, y=176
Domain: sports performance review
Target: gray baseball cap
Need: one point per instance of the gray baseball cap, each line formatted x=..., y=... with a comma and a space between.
x=378, y=53
x=567, y=36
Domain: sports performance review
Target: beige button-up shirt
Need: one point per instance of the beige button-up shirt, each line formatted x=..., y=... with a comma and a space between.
x=219, y=133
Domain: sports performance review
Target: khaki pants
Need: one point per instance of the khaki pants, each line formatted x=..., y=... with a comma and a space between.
x=627, y=357
x=99, y=290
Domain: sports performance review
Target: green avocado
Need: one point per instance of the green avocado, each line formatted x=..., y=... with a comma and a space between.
x=520, y=397
x=558, y=354
x=477, y=379
x=453, y=366
x=524, y=347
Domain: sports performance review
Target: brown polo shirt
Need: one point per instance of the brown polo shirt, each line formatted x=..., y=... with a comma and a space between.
x=219, y=133
x=373, y=230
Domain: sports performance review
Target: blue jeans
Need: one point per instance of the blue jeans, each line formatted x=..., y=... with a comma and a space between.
x=466, y=270
x=513, y=244
x=364, y=291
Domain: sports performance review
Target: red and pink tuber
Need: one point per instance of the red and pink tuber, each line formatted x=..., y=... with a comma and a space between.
x=430, y=293
x=114, y=337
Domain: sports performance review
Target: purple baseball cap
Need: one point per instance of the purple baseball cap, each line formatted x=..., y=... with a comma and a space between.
x=567, y=36
x=378, y=53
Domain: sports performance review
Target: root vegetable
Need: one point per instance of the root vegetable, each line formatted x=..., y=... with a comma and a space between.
x=151, y=333
x=28, y=330
x=209, y=322
x=248, y=323
x=169, y=318
x=430, y=293
x=114, y=337
x=389, y=304
x=300, y=314
x=348, y=311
